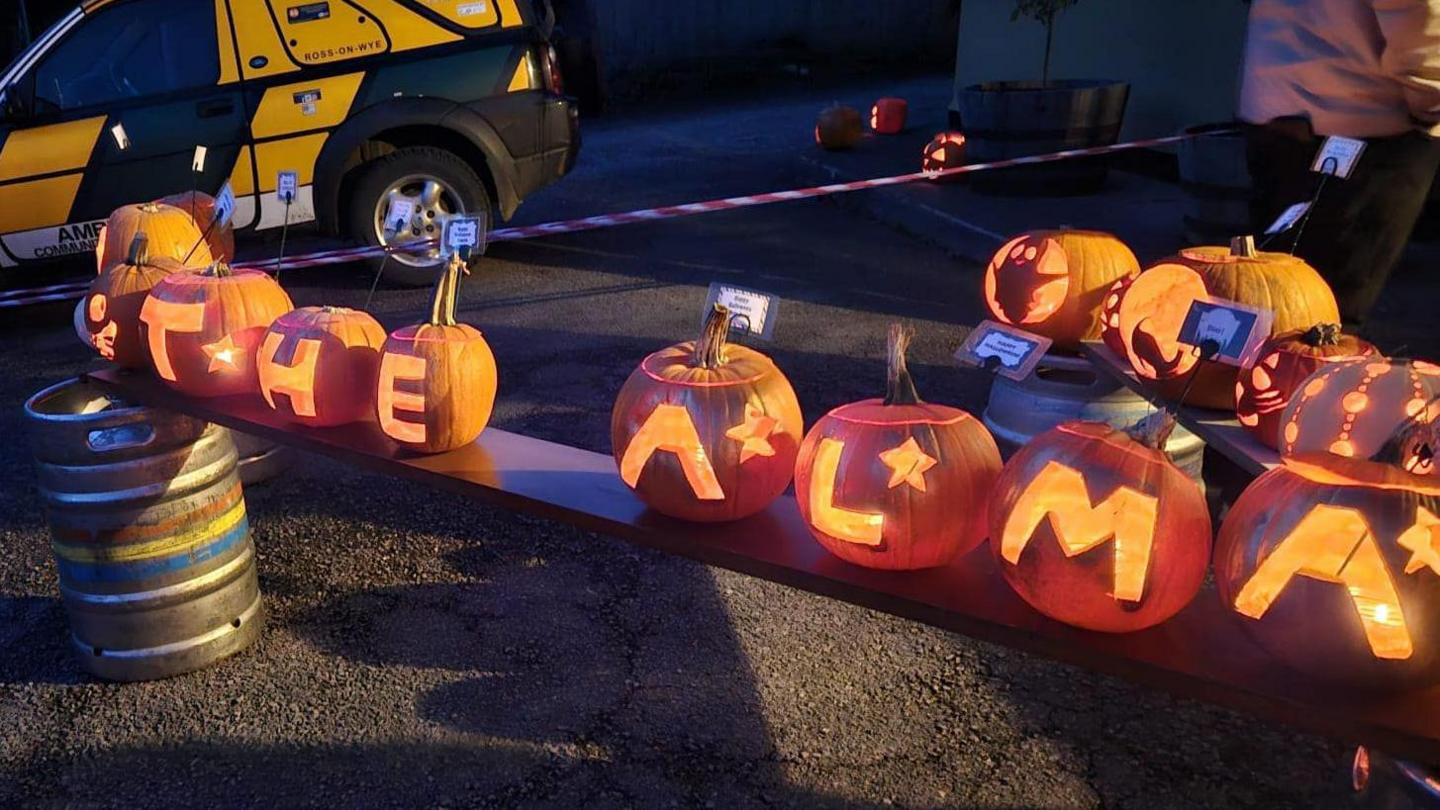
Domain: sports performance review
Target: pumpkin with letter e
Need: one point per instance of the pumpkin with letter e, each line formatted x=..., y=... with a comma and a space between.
x=839, y=127
x=112, y=307
x=1281, y=366
x=1154, y=309
x=1095, y=527
x=1352, y=407
x=319, y=366
x=887, y=117
x=896, y=483
x=203, y=328
x=1054, y=283
x=707, y=430
x=1332, y=563
x=171, y=231
x=201, y=207
x=437, y=379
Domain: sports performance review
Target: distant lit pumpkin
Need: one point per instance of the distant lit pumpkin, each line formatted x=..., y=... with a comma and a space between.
x=319, y=366
x=1352, y=407
x=112, y=307
x=1054, y=283
x=887, y=117
x=1282, y=365
x=173, y=234
x=201, y=207
x=839, y=127
x=944, y=151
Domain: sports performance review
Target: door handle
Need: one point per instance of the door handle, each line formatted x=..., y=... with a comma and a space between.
x=214, y=109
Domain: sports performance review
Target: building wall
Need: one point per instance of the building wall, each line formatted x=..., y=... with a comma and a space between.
x=1181, y=57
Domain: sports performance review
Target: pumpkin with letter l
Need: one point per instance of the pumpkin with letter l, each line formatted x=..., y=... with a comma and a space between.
x=203, y=328
x=1281, y=366
x=1054, y=283
x=1352, y=407
x=896, y=483
x=1097, y=528
x=707, y=430
x=1155, y=307
x=112, y=307
x=438, y=378
x=1332, y=563
x=201, y=207
x=319, y=366
x=172, y=232
x=839, y=127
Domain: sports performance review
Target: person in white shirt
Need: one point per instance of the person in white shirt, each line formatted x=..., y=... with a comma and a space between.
x=1367, y=69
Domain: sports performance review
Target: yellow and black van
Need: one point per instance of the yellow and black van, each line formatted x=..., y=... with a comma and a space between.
x=456, y=105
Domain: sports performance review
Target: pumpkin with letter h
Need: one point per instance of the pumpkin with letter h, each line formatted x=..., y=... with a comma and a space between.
x=706, y=430
x=896, y=483
x=318, y=366
x=1097, y=528
x=1055, y=283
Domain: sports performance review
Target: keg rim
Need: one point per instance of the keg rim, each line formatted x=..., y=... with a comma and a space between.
x=32, y=411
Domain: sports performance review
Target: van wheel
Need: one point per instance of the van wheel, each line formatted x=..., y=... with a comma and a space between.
x=438, y=184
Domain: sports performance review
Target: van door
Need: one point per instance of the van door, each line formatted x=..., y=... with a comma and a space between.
x=125, y=96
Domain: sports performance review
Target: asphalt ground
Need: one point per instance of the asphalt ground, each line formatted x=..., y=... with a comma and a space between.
x=426, y=651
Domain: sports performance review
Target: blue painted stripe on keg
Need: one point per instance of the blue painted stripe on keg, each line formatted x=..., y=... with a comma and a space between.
x=161, y=547
x=76, y=571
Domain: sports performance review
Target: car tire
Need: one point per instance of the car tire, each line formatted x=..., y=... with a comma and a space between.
x=462, y=192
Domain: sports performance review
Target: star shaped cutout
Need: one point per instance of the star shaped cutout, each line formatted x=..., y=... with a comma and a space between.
x=907, y=464
x=223, y=354
x=1422, y=541
x=754, y=434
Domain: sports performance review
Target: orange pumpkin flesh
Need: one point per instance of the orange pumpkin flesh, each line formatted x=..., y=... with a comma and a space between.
x=437, y=379
x=1054, y=283
x=112, y=307
x=839, y=127
x=897, y=483
x=319, y=366
x=706, y=430
x=173, y=234
x=201, y=208
x=1281, y=366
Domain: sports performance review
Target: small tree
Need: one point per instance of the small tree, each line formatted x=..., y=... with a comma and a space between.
x=1043, y=12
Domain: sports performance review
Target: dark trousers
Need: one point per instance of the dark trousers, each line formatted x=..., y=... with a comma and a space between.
x=1359, y=226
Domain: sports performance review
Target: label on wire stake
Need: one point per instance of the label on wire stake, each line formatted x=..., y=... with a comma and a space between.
x=287, y=185
x=1338, y=156
x=399, y=214
x=122, y=140
x=462, y=235
x=1288, y=218
x=1009, y=352
x=752, y=312
x=1236, y=329
x=197, y=163
x=224, y=205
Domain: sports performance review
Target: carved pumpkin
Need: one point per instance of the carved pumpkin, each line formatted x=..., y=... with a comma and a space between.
x=438, y=378
x=897, y=483
x=839, y=127
x=201, y=207
x=203, y=328
x=1110, y=314
x=944, y=151
x=887, y=117
x=319, y=366
x=706, y=430
x=1155, y=307
x=1095, y=527
x=100, y=250
x=1352, y=407
x=1282, y=365
x=1333, y=563
x=112, y=307
x=1054, y=283
x=172, y=233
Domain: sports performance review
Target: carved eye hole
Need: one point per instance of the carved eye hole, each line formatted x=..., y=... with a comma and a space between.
x=97, y=307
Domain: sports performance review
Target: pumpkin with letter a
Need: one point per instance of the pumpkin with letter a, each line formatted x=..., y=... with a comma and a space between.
x=1283, y=363
x=171, y=231
x=1154, y=310
x=887, y=117
x=707, y=430
x=944, y=151
x=201, y=207
x=1110, y=315
x=1054, y=283
x=319, y=366
x=1332, y=563
x=1352, y=407
x=202, y=328
x=112, y=307
x=839, y=127
x=437, y=378
x=896, y=483
x=1097, y=528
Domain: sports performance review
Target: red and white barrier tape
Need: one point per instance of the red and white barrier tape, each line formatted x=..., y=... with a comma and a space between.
x=344, y=255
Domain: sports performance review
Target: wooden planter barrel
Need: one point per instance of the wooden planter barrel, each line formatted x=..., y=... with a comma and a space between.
x=148, y=527
x=1216, y=179
x=1016, y=119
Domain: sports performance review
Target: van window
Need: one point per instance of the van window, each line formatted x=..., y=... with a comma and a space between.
x=131, y=50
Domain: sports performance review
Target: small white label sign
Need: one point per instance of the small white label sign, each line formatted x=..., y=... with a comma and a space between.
x=399, y=213
x=1008, y=351
x=462, y=234
x=197, y=163
x=121, y=139
x=1233, y=331
x=751, y=312
x=1288, y=218
x=1338, y=156
x=287, y=185
x=224, y=204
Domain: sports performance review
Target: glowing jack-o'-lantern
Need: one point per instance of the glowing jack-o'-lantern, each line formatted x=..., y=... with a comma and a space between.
x=706, y=430
x=437, y=379
x=838, y=127
x=944, y=151
x=318, y=366
x=1154, y=309
x=201, y=207
x=1333, y=563
x=1281, y=367
x=887, y=117
x=1054, y=283
x=1110, y=314
x=173, y=234
x=112, y=307
x=896, y=483
x=203, y=328
x=1352, y=407
x=1095, y=527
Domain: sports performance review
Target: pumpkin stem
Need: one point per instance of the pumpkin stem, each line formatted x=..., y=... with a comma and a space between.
x=1322, y=334
x=218, y=270
x=139, y=250
x=710, y=347
x=1406, y=435
x=899, y=386
x=1243, y=246
x=447, y=290
x=1154, y=430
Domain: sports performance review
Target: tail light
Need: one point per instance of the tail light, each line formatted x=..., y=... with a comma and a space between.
x=554, y=82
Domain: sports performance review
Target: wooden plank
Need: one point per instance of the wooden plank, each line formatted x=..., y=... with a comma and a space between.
x=1219, y=429
x=1201, y=654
